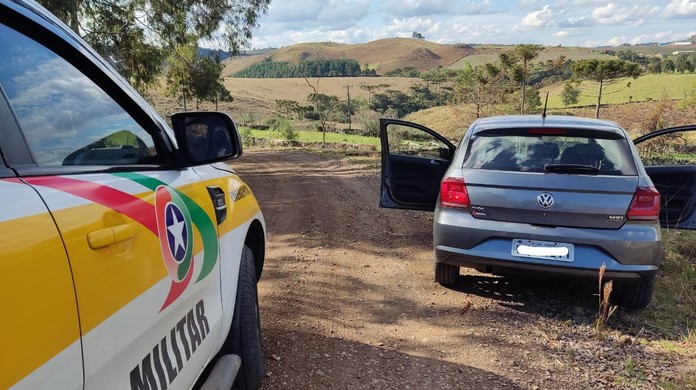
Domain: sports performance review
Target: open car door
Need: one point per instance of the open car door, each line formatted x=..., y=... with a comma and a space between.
x=669, y=156
x=414, y=160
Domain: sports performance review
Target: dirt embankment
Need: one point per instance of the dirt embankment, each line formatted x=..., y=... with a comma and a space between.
x=348, y=300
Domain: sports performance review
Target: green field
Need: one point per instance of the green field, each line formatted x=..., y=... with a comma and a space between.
x=645, y=88
x=315, y=136
x=490, y=54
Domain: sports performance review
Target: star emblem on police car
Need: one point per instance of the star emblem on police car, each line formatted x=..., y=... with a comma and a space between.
x=545, y=200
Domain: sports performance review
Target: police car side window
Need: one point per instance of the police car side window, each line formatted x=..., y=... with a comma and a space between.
x=66, y=118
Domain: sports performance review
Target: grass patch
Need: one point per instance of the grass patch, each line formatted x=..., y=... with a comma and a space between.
x=315, y=136
x=644, y=88
x=671, y=318
x=632, y=374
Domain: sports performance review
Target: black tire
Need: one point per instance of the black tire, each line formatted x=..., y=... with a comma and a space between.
x=446, y=274
x=245, y=335
x=635, y=295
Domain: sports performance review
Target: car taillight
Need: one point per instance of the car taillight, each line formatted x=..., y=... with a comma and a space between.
x=645, y=204
x=453, y=193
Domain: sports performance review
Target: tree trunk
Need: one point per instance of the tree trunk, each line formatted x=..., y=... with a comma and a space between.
x=599, y=99
x=74, y=21
x=524, y=84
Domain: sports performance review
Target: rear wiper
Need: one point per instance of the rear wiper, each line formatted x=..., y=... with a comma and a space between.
x=570, y=168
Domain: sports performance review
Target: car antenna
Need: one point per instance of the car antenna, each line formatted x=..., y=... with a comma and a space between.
x=546, y=102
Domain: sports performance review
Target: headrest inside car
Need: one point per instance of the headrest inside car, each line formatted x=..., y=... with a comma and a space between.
x=546, y=150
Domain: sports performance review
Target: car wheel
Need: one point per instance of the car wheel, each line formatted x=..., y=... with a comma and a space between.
x=446, y=274
x=635, y=295
x=246, y=326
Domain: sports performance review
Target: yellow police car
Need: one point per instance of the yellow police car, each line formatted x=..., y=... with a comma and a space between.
x=129, y=251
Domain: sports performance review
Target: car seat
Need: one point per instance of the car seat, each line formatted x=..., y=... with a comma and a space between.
x=540, y=154
x=584, y=154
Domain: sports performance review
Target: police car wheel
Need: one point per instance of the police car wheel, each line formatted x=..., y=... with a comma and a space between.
x=246, y=326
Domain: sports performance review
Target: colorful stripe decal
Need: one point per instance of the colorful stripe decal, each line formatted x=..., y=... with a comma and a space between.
x=200, y=218
x=147, y=215
x=126, y=204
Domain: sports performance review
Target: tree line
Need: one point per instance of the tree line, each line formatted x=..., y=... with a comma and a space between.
x=681, y=63
x=306, y=68
x=509, y=85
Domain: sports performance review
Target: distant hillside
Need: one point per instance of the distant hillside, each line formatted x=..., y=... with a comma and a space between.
x=489, y=53
x=383, y=55
x=222, y=54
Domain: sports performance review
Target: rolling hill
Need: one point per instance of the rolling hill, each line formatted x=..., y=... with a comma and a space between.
x=382, y=55
x=385, y=55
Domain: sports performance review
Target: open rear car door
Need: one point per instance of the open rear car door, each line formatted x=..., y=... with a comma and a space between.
x=414, y=160
x=669, y=157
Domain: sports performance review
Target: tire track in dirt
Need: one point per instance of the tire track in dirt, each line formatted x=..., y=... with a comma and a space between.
x=348, y=300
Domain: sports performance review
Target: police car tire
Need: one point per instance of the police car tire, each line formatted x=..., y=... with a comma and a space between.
x=246, y=326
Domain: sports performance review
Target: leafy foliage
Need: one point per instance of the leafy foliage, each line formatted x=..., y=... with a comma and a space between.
x=192, y=76
x=137, y=35
x=480, y=88
x=307, y=68
x=605, y=72
x=325, y=106
x=403, y=72
x=570, y=94
x=421, y=97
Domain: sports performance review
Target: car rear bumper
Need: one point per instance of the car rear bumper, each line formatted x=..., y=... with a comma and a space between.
x=631, y=252
x=584, y=269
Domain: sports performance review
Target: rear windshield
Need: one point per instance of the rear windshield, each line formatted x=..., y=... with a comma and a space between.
x=530, y=150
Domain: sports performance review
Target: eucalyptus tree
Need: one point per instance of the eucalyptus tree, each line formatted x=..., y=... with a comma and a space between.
x=138, y=35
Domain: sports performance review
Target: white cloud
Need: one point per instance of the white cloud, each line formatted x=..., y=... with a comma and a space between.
x=541, y=18
x=407, y=8
x=680, y=9
x=569, y=22
x=588, y=2
x=570, y=32
x=306, y=14
x=614, y=14
x=528, y=3
x=583, y=21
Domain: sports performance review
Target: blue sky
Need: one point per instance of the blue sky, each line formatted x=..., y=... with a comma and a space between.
x=566, y=22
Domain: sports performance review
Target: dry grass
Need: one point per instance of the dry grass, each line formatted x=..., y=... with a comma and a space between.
x=606, y=309
x=254, y=99
x=382, y=55
x=489, y=53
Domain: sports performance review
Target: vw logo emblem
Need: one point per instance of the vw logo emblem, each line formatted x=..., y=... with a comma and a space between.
x=545, y=200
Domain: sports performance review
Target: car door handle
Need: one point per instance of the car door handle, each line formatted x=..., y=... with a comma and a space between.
x=433, y=162
x=104, y=237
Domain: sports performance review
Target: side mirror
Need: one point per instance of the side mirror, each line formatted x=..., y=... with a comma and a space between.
x=206, y=137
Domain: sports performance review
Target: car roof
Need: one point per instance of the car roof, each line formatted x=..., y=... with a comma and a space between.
x=551, y=121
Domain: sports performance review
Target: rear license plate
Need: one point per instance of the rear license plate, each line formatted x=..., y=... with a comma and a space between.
x=543, y=250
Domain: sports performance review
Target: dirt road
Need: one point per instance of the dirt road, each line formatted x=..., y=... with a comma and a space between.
x=348, y=300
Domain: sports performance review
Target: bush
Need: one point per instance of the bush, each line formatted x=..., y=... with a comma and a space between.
x=283, y=126
x=247, y=138
x=312, y=115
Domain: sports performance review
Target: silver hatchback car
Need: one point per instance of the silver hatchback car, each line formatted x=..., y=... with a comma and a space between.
x=548, y=195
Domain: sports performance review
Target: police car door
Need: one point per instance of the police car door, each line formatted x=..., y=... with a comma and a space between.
x=39, y=323
x=140, y=235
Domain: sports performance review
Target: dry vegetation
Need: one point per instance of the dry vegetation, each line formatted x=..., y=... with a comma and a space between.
x=489, y=53
x=382, y=55
x=256, y=97
x=637, y=118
